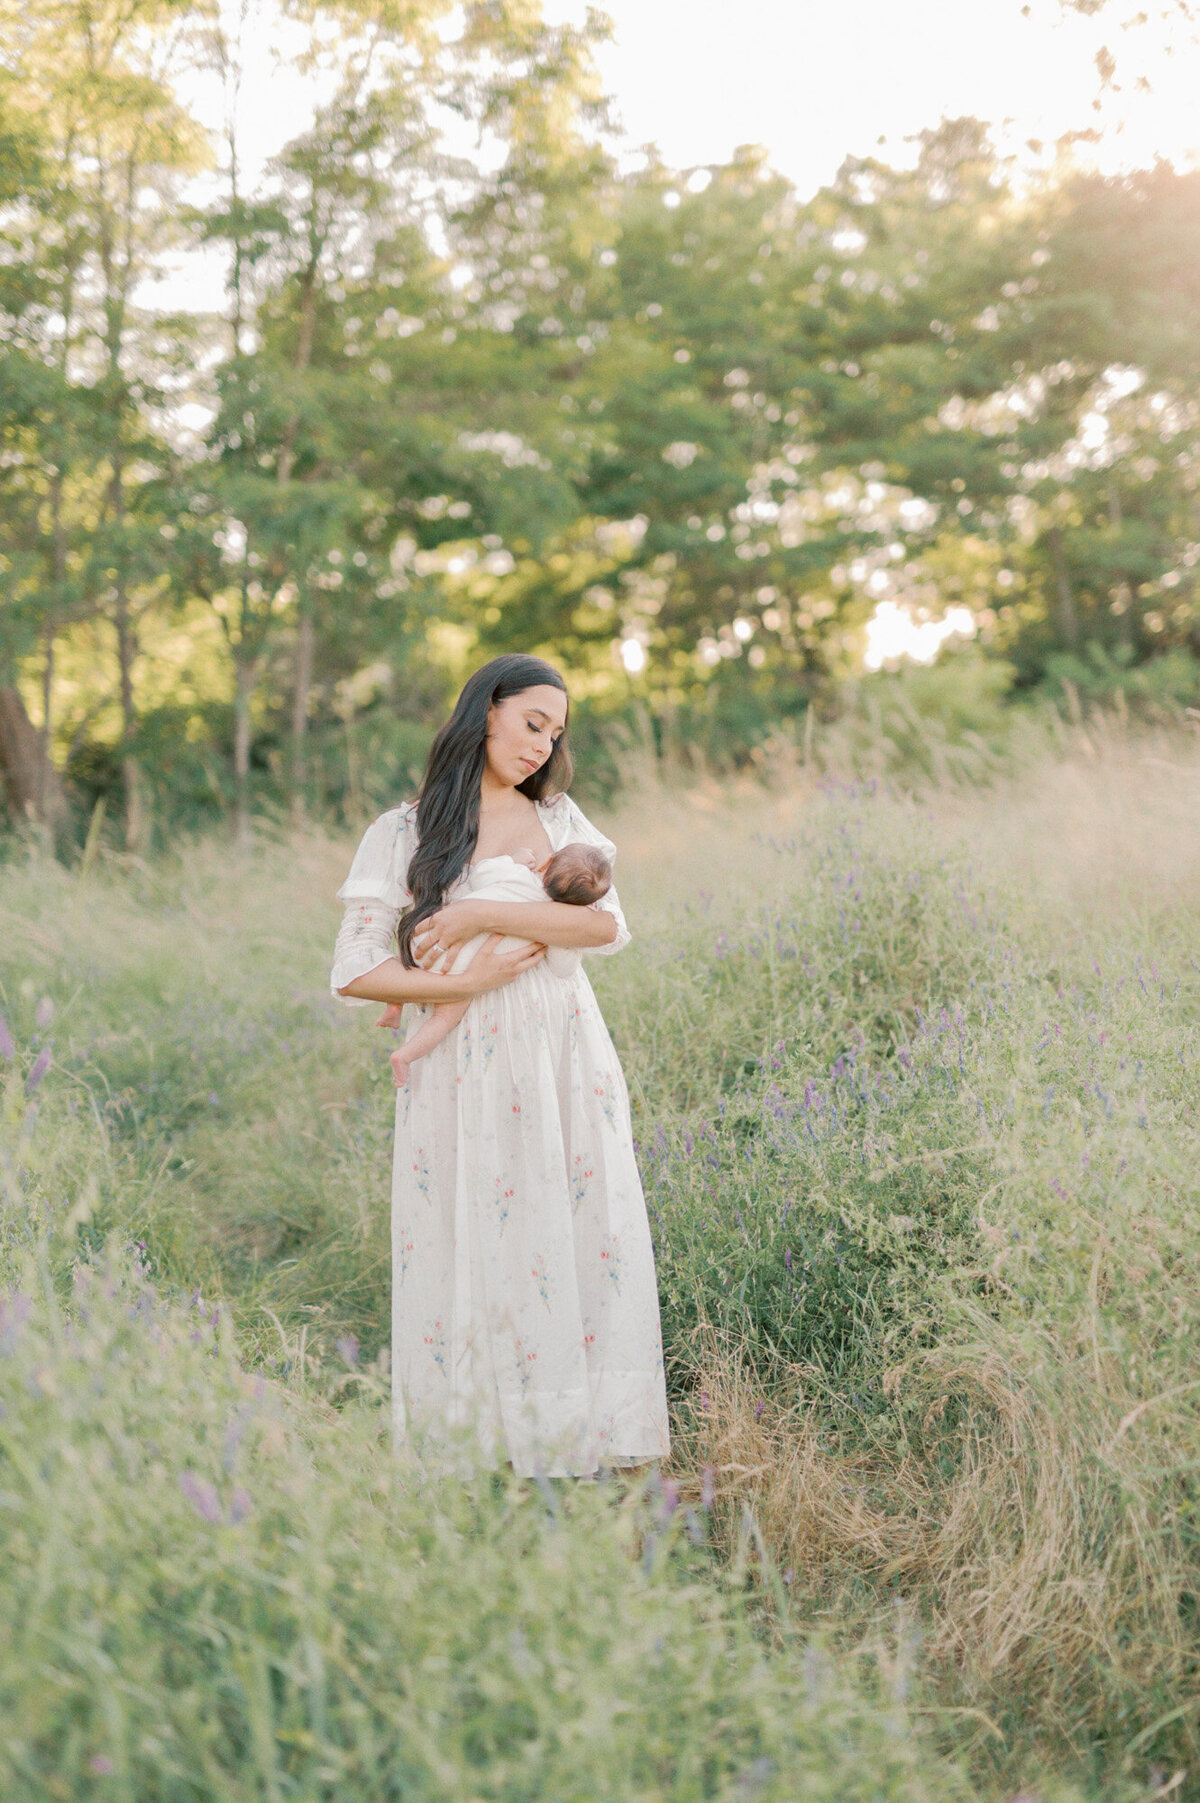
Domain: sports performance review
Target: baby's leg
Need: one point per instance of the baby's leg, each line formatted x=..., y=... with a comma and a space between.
x=446, y=1015
x=431, y=1032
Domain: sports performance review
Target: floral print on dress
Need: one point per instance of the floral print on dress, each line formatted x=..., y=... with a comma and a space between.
x=435, y=1342
x=581, y=1176
x=526, y=1356
x=422, y=1177
x=604, y=1091
x=502, y=1201
x=610, y=1259
x=403, y=1247
x=541, y=1278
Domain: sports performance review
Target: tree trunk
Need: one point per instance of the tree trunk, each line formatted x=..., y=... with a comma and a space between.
x=1123, y=593
x=47, y=703
x=1068, y=619
x=301, y=685
x=131, y=775
x=243, y=696
x=303, y=670
x=33, y=786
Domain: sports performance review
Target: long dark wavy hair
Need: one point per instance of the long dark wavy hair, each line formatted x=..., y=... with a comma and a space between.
x=448, y=801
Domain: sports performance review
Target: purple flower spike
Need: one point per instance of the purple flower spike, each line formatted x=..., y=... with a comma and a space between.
x=787, y=1259
x=45, y=1012
x=347, y=1349
x=102, y=1765
x=15, y=1310
x=239, y=1504
x=202, y=1495
x=670, y=1498
x=708, y=1487
x=7, y=1048
x=37, y=1070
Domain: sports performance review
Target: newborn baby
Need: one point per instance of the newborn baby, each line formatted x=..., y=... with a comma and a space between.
x=578, y=874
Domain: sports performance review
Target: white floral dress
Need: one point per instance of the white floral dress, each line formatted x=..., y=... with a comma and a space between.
x=524, y=1300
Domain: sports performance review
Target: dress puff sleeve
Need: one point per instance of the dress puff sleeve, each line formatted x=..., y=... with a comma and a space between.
x=374, y=895
x=577, y=827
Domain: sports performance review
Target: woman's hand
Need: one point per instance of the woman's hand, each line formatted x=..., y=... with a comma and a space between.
x=447, y=930
x=490, y=969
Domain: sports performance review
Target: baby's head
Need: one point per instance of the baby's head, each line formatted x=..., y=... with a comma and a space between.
x=578, y=873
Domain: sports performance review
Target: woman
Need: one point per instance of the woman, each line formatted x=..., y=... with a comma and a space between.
x=524, y=1302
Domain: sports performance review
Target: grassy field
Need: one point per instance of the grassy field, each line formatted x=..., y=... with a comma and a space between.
x=915, y=1085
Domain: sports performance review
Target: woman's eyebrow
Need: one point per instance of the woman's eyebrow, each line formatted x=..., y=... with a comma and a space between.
x=541, y=715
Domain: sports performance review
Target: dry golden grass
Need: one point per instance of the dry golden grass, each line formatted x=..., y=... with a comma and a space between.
x=990, y=1533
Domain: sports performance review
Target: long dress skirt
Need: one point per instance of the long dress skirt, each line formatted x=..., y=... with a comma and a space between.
x=525, y=1322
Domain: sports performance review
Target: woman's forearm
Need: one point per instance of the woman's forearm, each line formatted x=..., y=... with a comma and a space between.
x=392, y=981
x=552, y=923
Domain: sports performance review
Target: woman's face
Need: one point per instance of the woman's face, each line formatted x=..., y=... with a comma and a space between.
x=522, y=730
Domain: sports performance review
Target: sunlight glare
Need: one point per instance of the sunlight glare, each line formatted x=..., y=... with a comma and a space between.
x=893, y=633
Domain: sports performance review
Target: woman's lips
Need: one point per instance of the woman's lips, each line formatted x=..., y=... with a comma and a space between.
x=531, y=766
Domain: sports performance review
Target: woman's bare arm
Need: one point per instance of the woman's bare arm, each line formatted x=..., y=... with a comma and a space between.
x=393, y=982
x=548, y=923
x=552, y=923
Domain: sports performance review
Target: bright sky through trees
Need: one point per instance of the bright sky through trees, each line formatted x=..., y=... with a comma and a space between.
x=812, y=81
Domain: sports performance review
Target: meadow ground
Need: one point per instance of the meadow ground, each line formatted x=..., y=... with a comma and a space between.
x=915, y=1088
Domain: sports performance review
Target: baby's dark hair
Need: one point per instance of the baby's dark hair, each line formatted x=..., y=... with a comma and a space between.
x=579, y=874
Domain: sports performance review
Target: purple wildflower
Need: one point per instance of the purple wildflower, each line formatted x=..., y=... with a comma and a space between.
x=787, y=1259
x=347, y=1349
x=239, y=1504
x=708, y=1488
x=202, y=1495
x=15, y=1310
x=37, y=1070
x=102, y=1765
x=7, y=1048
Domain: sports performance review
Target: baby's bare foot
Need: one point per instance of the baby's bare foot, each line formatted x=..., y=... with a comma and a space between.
x=400, y=1068
x=390, y=1017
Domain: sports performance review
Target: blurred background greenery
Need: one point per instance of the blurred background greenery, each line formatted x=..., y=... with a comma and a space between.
x=293, y=440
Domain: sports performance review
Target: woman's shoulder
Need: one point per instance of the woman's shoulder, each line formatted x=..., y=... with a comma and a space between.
x=380, y=866
x=568, y=817
x=390, y=839
x=394, y=820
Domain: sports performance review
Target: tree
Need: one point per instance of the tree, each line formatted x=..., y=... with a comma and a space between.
x=112, y=147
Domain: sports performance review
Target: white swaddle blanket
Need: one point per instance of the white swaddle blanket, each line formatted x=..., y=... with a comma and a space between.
x=503, y=879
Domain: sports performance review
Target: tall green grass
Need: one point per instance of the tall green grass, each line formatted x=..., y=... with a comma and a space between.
x=914, y=1085
x=212, y=1590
